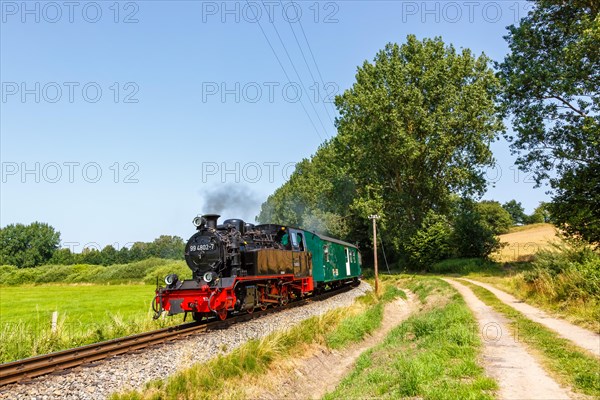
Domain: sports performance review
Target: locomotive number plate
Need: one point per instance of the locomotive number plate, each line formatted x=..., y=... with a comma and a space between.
x=202, y=247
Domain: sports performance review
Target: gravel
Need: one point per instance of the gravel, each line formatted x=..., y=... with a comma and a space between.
x=131, y=371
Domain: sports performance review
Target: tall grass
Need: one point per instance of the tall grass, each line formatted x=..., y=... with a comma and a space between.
x=464, y=266
x=26, y=339
x=565, y=279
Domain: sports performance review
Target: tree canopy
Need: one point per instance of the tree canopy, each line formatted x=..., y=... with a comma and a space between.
x=516, y=211
x=27, y=245
x=413, y=133
x=552, y=79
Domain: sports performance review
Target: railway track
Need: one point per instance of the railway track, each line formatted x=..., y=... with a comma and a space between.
x=28, y=368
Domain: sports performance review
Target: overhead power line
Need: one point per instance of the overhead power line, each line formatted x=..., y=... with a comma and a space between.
x=310, y=69
x=313, y=58
x=287, y=76
x=297, y=74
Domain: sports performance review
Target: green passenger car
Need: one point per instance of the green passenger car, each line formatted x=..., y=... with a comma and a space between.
x=332, y=260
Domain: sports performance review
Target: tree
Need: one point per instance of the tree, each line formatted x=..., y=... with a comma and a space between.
x=28, y=245
x=414, y=129
x=576, y=210
x=540, y=214
x=62, y=257
x=123, y=256
x=516, y=211
x=496, y=217
x=166, y=246
x=91, y=255
x=139, y=251
x=109, y=255
x=552, y=80
x=317, y=197
x=432, y=242
x=472, y=236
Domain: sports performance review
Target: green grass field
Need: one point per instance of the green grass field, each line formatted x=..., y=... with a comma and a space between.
x=82, y=304
x=86, y=314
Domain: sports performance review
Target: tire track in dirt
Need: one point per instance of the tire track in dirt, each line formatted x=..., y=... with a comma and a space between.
x=517, y=372
x=320, y=371
x=581, y=337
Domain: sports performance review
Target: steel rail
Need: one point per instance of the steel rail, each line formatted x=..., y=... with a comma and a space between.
x=32, y=367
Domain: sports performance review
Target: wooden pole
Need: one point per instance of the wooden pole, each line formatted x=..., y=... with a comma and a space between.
x=374, y=218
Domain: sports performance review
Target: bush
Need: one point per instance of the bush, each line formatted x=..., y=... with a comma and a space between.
x=472, y=236
x=566, y=272
x=139, y=271
x=178, y=268
x=431, y=242
x=495, y=217
x=464, y=266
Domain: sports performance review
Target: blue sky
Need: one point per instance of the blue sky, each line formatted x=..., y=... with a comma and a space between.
x=118, y=118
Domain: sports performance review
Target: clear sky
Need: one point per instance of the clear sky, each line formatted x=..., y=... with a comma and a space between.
x=121, y=121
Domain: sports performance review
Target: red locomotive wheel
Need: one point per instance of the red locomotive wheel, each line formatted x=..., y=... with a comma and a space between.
x=222, y=314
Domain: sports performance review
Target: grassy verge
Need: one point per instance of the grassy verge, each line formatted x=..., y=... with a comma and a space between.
x=564, y=360
x=431, y=355
x=220, y=376
x=584, y=312
x=86, y=314
x=564, y=280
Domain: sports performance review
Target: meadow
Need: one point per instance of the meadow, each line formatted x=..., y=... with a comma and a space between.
x=93, y=303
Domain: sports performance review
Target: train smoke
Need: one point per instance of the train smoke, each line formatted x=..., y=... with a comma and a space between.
x=231, y=201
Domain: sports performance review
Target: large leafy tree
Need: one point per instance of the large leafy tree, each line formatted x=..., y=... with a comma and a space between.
x=415, y=129
x=552, y=81
x=28, y=245
x=495, y=216
x=516, y=211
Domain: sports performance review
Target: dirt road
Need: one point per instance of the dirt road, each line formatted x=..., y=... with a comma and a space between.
x=322, y=370
x=518, y=374
x=583, y=338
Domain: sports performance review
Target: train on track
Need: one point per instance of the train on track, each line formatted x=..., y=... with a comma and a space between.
x=240, y=267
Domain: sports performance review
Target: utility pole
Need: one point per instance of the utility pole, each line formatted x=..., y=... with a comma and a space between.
x=375, y=217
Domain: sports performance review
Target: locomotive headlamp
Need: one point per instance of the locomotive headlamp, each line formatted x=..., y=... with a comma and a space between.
x=171, y=279
x=199, y=221
x=208, y=277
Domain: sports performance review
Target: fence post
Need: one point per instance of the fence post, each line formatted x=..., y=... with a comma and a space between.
x=54, y=321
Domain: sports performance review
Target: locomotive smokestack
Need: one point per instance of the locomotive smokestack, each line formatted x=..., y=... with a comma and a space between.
x=211, y=220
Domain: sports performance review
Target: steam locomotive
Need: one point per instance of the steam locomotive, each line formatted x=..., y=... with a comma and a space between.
x=239, y=267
